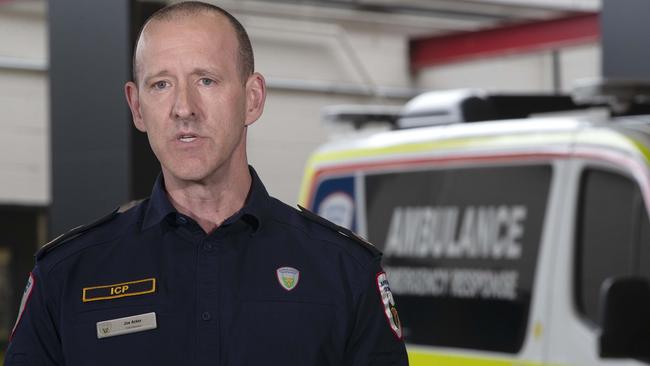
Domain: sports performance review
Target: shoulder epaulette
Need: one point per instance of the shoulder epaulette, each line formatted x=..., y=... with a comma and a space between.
x=79, y=230
x=339, y=229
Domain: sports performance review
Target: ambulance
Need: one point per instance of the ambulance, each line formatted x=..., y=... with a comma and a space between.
x=514, y=228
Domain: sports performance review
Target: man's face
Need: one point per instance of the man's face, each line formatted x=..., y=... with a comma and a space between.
x=191, y=99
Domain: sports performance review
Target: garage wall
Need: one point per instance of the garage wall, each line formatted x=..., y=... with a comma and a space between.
x=308, y=65
x=24, y=127
x=528, y=72
x=579, y=62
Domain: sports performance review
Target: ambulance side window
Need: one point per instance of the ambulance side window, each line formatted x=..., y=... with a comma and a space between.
x=644, y=244
x=460, y=249
x=611, y=220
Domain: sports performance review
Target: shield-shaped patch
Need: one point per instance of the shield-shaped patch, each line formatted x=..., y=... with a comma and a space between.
x=288, y=277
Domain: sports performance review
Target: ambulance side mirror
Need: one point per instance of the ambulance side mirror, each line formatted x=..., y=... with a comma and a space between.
x=625, y=318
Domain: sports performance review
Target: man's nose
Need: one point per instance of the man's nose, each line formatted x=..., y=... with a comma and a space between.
x=184, y=105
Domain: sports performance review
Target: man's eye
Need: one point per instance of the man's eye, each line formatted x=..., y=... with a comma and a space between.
x=160, y=85
x=207, y=82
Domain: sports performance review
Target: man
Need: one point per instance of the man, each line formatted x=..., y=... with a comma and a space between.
x=210, y=270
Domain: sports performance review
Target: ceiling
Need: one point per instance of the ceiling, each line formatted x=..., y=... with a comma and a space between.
x=24, y=7
x=415, y=18
x=412, y=18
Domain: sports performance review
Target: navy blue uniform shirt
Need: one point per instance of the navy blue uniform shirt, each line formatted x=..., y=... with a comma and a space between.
x=147, y=286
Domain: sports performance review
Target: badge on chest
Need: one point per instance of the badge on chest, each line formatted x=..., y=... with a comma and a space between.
x=119, y=290
x=126, y=325
x=288, y=277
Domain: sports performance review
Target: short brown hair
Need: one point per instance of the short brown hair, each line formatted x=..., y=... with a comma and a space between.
x=247, y=63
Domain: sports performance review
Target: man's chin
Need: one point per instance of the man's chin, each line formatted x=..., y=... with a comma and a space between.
x=187, y=175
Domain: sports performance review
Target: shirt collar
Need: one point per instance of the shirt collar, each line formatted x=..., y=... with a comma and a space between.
x=252, y=213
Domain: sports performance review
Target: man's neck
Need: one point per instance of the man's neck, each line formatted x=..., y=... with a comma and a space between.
x=211, y=202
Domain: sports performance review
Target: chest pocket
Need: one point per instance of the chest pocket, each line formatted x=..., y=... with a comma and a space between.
x=284, y=332
x=84, y=347
x=129, y=345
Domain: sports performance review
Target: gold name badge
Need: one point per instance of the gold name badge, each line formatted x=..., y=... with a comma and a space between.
x=118, y=290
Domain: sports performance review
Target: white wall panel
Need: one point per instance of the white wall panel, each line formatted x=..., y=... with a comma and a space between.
x=384, y=56
x=23, y=36
x=24, y=139
x=514, y=73
x=587, y=5
x=24, y=126
x=528, y=72
x=582, y=62
x=302, y=55
x=328, y=52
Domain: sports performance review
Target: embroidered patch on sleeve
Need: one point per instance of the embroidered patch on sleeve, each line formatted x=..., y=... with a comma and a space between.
x=389, y=304
x=27, y=294
x=119, y=290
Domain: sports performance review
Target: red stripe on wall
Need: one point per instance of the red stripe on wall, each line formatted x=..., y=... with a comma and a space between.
x=547, y=34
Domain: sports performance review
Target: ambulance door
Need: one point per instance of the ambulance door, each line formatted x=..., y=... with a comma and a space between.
x=606, y=234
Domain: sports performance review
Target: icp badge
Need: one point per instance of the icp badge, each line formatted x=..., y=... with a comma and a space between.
x=288, y=277
x=389, y=304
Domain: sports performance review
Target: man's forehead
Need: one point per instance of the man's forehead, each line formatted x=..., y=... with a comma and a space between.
x=203, y=30
x=200, y=23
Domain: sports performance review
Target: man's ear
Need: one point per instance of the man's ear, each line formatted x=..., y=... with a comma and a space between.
x=255, y=97
x=132, y=97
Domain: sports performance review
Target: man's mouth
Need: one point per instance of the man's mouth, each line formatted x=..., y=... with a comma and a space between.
x=187, y=138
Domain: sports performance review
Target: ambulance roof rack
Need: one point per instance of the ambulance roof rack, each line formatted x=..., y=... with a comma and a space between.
x=447, y=107
x=360, y=115
x=472, y=105
x=622, y=96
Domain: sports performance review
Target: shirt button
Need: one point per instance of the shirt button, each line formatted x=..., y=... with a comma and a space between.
x=181, y=220
x=207, y=247
x=206, y=316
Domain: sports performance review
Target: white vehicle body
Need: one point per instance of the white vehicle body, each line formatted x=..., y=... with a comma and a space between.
x=534, y=186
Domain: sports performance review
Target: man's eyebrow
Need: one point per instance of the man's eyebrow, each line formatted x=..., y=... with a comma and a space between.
x=202, y=71
x=156, y=75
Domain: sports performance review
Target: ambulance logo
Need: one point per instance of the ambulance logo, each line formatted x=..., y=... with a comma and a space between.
x=288, y=277
x=389, y=304
x=338, y=208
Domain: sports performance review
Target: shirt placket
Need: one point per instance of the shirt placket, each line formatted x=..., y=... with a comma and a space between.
x=208, y=301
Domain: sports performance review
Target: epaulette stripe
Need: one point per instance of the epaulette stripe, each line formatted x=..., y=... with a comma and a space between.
x=129, y=205
x=340, y=229
x=51, y=245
